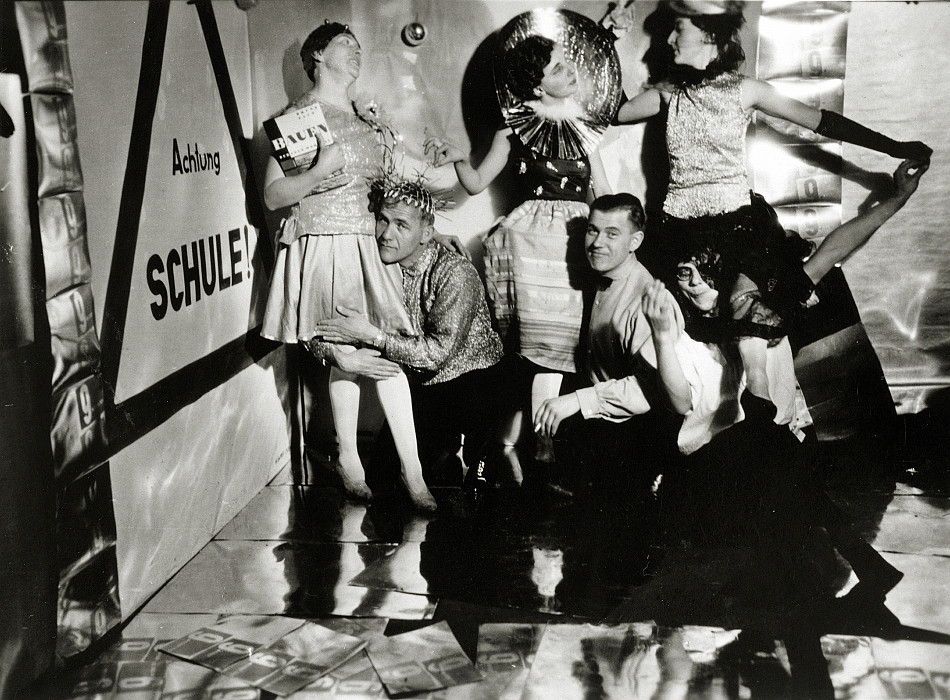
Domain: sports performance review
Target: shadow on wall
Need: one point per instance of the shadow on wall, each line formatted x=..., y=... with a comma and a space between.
x=296, y=81
x=482, y=117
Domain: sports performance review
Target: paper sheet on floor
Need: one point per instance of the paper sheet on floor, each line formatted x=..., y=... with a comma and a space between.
x=354, y=678
x=505, y=653
x=425, y=659
x=232, y=639
x=583, y=661
x=280, y=655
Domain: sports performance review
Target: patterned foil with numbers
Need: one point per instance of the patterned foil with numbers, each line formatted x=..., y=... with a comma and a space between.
x=85, y=519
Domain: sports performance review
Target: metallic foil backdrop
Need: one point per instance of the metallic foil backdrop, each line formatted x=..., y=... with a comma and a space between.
x=897, y=53
x=28, y=576
x=86, y=537
x=801, y=51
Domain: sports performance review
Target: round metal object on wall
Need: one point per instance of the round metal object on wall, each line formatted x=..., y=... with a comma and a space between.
x=414, y=33
x=590, y=48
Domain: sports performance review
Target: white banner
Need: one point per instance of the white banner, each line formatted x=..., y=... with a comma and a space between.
x=191, y=282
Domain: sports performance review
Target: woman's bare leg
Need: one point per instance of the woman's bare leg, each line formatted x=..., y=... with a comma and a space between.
x=544, y=386
x=345, y=404
x=510, y=434
x=396, y=401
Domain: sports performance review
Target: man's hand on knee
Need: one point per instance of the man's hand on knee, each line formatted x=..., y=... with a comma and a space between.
x=548, y=417
x=364, y=362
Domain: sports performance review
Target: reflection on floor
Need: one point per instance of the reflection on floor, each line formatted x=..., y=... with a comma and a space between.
x=720, y=615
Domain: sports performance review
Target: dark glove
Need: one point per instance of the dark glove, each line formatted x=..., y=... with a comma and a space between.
x=914, y=150
x=840, y=128
x=788, y=292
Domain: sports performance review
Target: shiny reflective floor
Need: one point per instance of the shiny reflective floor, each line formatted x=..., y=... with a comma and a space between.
x=633, y=605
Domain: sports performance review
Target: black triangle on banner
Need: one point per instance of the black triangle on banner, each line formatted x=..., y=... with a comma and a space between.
x=146, y=410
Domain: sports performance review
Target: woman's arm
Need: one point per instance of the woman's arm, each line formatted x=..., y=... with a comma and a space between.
x=757, y=94
x=473, y=179
x=598, y=176
x=645, y=105
x=285, y=190
x=851, y=235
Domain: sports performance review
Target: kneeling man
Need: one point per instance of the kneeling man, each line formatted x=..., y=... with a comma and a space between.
x=452, y=360
x=619, y=438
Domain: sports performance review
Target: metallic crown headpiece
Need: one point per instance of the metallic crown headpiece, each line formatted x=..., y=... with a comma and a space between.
x=413, y=192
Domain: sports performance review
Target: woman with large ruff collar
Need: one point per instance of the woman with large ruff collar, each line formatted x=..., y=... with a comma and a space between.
x=558, y=82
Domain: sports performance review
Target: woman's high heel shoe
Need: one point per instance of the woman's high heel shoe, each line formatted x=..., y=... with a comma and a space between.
x=876, y=576
x=421, y=498
x=355, y=489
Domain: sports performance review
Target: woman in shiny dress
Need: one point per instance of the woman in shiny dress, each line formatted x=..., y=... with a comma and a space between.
x=754, y=265
x=327, y=258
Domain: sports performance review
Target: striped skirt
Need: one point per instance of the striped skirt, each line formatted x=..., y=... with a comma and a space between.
x=535, y=269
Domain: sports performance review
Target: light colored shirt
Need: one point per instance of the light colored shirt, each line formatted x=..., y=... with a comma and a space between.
x=716, y=380
x=621, y=358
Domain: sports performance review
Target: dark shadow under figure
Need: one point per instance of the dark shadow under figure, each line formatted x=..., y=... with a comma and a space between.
x=654, y=158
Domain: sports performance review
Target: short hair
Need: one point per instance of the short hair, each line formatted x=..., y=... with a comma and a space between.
x=524, y=65
x=723, y=29
x=317, y=41
x=621, y=201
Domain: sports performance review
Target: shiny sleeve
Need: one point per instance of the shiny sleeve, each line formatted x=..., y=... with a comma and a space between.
x=319, y=349
x=454, y=303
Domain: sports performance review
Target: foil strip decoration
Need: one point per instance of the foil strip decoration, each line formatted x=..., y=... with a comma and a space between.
x=803, y=40
x=86, y=533
x=801, y=52
x=590, y=48
x=65, y=249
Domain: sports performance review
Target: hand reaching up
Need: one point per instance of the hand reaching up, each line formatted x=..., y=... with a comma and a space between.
x=442, y=151
x=907, y=177
x=657, y=306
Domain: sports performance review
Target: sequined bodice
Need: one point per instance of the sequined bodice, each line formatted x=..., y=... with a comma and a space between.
x=551, y=178
x=344, y=209
x=706, y=138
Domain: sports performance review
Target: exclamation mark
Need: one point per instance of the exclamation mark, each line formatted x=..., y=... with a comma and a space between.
x=247, y=256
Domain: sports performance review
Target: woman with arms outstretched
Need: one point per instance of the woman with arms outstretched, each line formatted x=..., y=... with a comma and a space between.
x=709, y=105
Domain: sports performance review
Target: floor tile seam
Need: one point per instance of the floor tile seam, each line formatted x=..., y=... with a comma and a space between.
x=900, y=498
x=916, y=514
x=389, y=543
x=914, y=554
